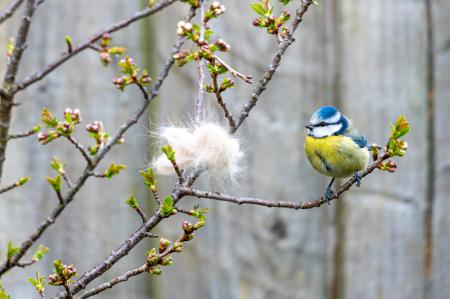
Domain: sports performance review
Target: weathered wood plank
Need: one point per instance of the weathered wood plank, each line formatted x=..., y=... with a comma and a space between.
x=97, y=220
x=441, y=209
x=250, y=252
x=383, y=74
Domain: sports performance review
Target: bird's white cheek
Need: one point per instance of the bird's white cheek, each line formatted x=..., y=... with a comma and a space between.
x=320, y=132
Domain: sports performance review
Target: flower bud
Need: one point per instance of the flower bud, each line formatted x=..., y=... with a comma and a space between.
x=178, y=247
x=163, y=244
x=257, y=22
x=187, y=227
x=222, y=45
x=42, y=137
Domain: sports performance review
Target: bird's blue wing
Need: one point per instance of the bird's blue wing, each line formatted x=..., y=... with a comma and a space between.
x=359, y=139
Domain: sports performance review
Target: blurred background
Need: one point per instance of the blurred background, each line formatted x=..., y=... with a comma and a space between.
x=374, y=59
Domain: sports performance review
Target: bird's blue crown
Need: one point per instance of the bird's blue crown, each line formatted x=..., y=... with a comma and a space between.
x=328, y=121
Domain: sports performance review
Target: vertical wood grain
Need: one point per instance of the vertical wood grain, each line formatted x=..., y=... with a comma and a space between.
x=384, y=74
x=251, y=252
x=441, y=209
x=97, y=221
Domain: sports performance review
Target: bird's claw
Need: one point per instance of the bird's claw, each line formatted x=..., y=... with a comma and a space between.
x=328, y=195
x=358, y=178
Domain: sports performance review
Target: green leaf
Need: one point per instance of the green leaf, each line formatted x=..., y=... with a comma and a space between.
x=258, y=8
x=169, y=152
x=12, y=250
x=167, y=207
x=199, y=213
x=23, y=180
x=113, y=170
x=36, y=128
x=40, y=253
x=68, y=39
x=117, y=50
x=401, y=127
x=38, y=283
x=149, y=178
x=132, y=202
x=208, y=34
x=55, y=183
x=3, y=294
x=285, y=2
x=57, y=165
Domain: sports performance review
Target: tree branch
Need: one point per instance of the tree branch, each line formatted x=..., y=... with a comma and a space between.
x=9, y=10
x=267, y=76
x=283, y=204
x=85, y=45
x=81, y=149
x=246, y=78
x=7, y=100
x=222, y=104
x=107, y=285
x=10, y=187
x=143, y=231
x=21, y=135
x=25, y=246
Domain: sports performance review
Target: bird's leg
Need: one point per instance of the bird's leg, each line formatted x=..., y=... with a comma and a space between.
x=328, y=193
x=358, y=178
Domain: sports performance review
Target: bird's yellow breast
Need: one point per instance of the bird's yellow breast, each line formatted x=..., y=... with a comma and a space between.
x=336, y=156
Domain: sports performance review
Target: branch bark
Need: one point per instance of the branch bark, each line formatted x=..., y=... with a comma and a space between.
x=9, y=10
x=107, y=285
x=267, y=76
x=7, y=99
x=70, y=195
x=283, y=204
x=85, y=45
x=143, y=231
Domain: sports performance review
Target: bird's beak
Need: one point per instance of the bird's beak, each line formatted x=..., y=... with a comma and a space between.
x=310, y=127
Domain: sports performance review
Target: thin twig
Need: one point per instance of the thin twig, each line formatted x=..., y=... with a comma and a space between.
x=9, y=10
x=222, y=104
x=67, y=179
x=144, y=268
x=68, y=293
x=81, y=149
x=267, y=76
x=246, y=78
x=68, y=198
x=265, y=79
x=21, y=135
x=9, y=187
x=283, y=204
x=142, y=215
x=26, y=264
x=200, y=102
x=141, y=233
x=7, y=101
x=178, y=171
x=156, y=197
x=150, y=235
x=66, y=55
x=107, y=285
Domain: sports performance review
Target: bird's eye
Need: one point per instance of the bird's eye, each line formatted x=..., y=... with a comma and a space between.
x=322, y=124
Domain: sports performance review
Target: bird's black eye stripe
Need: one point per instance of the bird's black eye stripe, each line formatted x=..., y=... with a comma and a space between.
x=323, y=124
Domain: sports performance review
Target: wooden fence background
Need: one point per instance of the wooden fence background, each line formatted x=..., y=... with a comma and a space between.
x=374, y=59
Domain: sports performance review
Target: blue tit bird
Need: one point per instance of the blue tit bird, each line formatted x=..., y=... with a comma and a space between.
x=333, y=148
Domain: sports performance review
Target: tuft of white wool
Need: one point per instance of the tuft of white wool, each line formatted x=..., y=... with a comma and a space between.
x=206, y=146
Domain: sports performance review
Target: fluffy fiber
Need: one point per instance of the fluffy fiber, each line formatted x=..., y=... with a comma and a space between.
x=206, y=146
